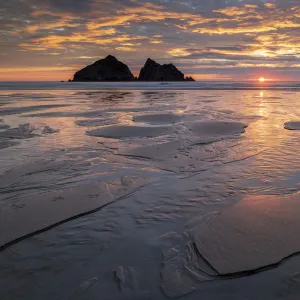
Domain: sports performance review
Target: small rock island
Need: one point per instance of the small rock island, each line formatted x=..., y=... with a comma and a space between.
x=153, y=71
x=107, y=69
x=111, y=69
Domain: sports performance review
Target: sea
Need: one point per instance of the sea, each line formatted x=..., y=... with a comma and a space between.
x=149, y=190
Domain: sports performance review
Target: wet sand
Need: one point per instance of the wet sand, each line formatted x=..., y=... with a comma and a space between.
x=257, y=233
x=47, y=210
x=149, y=195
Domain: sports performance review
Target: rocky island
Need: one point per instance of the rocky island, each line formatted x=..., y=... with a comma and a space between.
x=111, y=69
x=107, y=69
x=153, y=71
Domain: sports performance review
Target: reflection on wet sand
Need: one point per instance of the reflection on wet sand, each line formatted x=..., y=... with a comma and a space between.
x=207, y=184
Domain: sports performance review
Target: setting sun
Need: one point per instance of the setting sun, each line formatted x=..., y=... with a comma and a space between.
x=261, y=79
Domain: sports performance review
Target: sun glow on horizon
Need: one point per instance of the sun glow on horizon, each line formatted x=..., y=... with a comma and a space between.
x=262, y=79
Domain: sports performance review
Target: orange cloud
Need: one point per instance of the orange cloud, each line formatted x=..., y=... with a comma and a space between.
x=57, y=41
x=63, y=24
x=237, y=11
x=177, y=52
x=36, y=73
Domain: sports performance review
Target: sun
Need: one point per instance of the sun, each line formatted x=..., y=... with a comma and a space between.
x=262, y=79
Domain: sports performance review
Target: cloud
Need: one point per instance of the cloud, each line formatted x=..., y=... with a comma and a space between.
x=196, y=35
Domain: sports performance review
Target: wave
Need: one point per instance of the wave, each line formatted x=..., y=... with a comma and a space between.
x=199, y=85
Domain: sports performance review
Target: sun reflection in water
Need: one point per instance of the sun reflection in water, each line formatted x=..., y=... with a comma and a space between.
x=180, y=111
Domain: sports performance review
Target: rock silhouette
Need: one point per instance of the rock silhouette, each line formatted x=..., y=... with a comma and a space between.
x=153, y=71
x=190, y=78
x=111, y=69
x=107, y=69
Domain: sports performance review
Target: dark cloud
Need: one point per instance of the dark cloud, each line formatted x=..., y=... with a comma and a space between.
x=77, y=6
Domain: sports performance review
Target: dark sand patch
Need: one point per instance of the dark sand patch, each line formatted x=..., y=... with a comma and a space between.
x=21, y=110
x=258, y=232
x=22, y=96
x=267, y=97
x=217, y=128
x=128, y=131
x=66, y=114
x=295, y=125
x=24, y=131
x=2, y=103
x=3, y=126
x=226, y=111
x=157, y=119
x=112, y=97
x=105, y=94
x=154, y=110
x=208, y=101
x=96, y=122
x=7, y=143
x=49, y=130
x=34, y=214
x=94, y=113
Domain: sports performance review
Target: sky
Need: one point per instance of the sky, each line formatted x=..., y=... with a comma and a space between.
x=207, y=39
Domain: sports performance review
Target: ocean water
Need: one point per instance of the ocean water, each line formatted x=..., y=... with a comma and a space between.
x=197, y=85
x=171, y=159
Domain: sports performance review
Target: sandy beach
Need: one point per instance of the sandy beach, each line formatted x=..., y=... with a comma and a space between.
x=149, y=192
